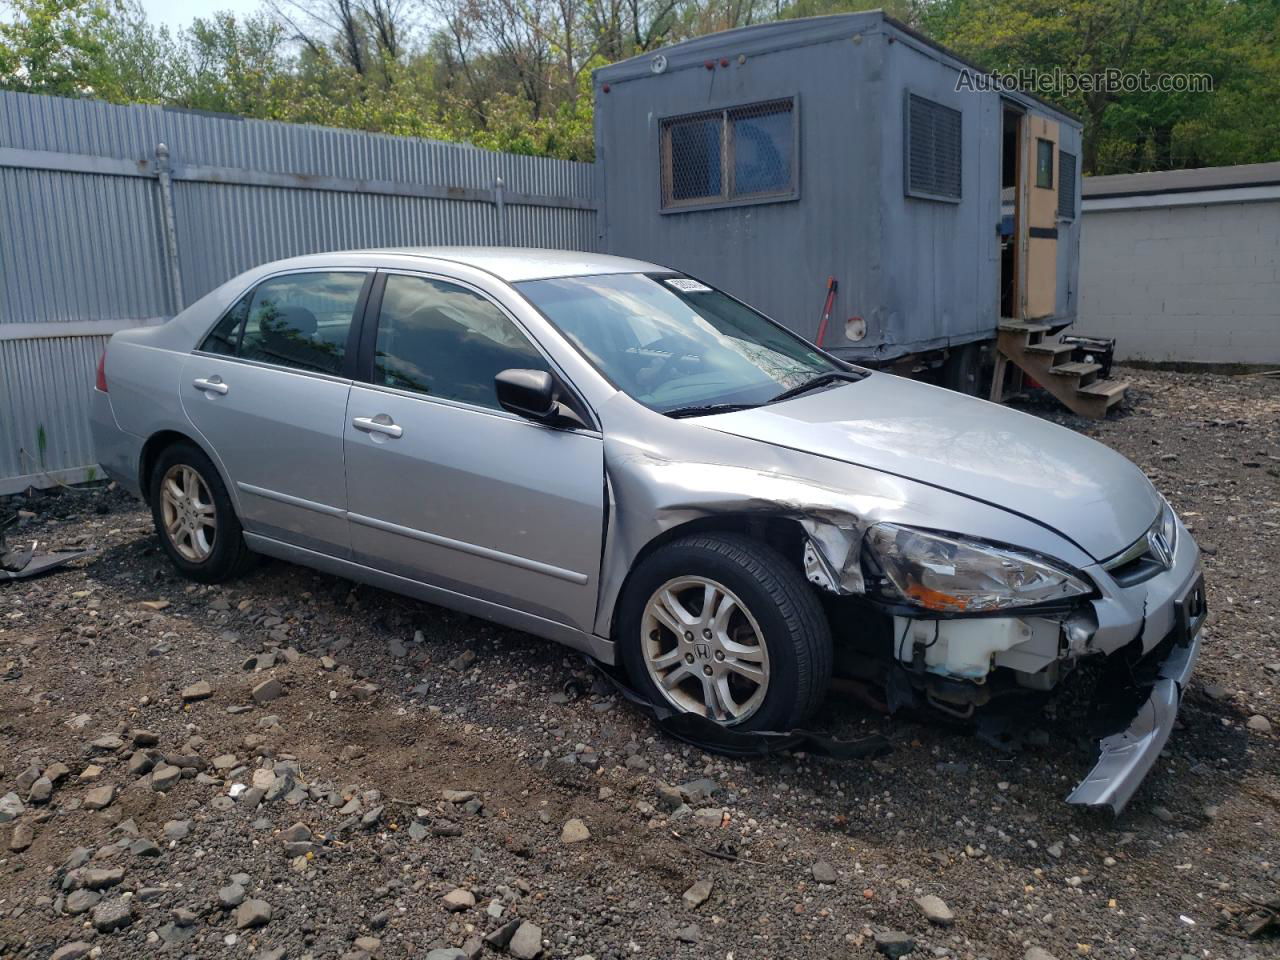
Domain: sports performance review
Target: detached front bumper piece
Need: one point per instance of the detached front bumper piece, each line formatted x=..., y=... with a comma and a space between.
x=1128, y=756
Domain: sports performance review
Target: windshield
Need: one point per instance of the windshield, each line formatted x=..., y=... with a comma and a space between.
x=673, y=343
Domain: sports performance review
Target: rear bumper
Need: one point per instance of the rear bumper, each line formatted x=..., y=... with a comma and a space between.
x=119, y=453
x=1127, y=757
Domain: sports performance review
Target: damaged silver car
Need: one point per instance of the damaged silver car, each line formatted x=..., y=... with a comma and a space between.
x=618, y=457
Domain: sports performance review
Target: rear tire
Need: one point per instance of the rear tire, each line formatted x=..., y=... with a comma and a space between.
x=194, y=517
x=760, y=658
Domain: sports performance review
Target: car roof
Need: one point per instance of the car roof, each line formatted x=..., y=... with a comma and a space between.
x=514, y=264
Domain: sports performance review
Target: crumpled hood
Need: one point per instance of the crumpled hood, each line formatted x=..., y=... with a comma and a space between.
x=1082, y=489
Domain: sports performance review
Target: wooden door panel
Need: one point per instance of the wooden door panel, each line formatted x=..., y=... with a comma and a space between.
x=1042, y=221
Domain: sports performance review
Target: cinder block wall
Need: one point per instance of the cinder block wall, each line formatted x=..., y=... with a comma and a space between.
x=1198, y=283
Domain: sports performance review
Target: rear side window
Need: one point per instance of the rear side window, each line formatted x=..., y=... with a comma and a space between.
x=443, y=340
x=299, y=320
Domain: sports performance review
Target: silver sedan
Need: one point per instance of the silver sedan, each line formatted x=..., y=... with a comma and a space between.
x=618, y=457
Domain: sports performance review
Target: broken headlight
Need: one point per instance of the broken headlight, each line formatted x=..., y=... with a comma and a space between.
x=1169, y=527
x=951, y=575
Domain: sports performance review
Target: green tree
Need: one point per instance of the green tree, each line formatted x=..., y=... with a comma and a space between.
x=1124, y=131
x=238, y=65
x=54, y=46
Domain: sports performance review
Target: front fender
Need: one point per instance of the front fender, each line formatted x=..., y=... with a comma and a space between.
x=664, y=473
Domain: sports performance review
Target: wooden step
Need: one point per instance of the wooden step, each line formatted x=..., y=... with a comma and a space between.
x=1012, y=326
x=1051, y=349
x=1073, y=382
x=1075, y=369
x=1110, y=390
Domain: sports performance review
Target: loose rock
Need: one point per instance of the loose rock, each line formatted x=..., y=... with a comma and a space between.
x=197, y=691
x=22, y=837
x=459, y=899
x=99, y=798
x=268, y=690
x=526, y=943
x=113, y=914
x=697, y=894
x=894, y=943
x=935, y=910
x=253, y=913
x=823, y=872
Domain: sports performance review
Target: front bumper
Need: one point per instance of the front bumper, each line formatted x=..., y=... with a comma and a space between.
x=1127, y=756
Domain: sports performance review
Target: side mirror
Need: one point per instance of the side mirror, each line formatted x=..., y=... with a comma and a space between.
x=532, y=394
x=527, y=393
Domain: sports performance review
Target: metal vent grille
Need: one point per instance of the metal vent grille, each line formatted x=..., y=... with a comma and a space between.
x=722, y=156
x=933, y=150
x=1066, y=185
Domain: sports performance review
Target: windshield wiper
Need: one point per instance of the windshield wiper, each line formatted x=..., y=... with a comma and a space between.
x=705, y=409
x=821, y=380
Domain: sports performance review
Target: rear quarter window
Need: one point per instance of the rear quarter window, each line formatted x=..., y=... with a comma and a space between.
x=224, y=338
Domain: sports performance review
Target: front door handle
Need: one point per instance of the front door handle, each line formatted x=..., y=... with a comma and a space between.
x=212, y=385
x=379, y=424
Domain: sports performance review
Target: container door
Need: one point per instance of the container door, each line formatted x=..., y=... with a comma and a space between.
x=1041, y=241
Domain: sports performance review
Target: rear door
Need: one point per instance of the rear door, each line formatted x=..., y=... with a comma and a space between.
x=267, y=389
x=447, y=488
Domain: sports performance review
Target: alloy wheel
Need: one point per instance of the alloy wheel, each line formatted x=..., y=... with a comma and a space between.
x=704, y=651
x=186, y=507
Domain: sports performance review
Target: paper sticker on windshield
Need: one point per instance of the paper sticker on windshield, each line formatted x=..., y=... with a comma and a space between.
x=685, y=285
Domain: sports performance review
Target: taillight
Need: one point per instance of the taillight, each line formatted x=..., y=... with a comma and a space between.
x=102, y=372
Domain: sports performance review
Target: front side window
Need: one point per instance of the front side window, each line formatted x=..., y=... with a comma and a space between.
x=671, y=342
x=299, y=320
x=735, y=154
x=443, y=340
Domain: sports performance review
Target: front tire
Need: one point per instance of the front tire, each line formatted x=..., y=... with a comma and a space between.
x=722, y=626
x=193, y=515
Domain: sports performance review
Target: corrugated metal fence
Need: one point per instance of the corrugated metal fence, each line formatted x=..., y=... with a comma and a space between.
x=102, y=228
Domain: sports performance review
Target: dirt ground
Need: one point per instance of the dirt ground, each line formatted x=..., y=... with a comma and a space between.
x=316, y=820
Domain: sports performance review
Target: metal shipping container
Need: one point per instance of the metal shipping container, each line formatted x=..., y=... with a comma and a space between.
x=768, y=159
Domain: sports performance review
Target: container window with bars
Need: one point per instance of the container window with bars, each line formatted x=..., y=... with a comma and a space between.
x=735, y=155
x=933, y=150
x=1066, y=185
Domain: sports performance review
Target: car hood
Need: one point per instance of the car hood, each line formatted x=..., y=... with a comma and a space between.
x=1083, y=490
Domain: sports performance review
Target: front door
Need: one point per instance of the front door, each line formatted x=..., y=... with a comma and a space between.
x=1041, y=279
x=267, y=389
x=447, y=488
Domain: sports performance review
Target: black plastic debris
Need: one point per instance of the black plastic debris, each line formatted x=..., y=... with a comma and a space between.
x=707, y=735
x=19, y=564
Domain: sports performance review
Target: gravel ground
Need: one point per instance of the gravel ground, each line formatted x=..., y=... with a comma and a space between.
x=291, y=765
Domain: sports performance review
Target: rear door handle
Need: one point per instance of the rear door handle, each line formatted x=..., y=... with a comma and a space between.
x=212, y=385
x=379, y=424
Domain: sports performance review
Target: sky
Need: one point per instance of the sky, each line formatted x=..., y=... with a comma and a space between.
x=179, y=13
